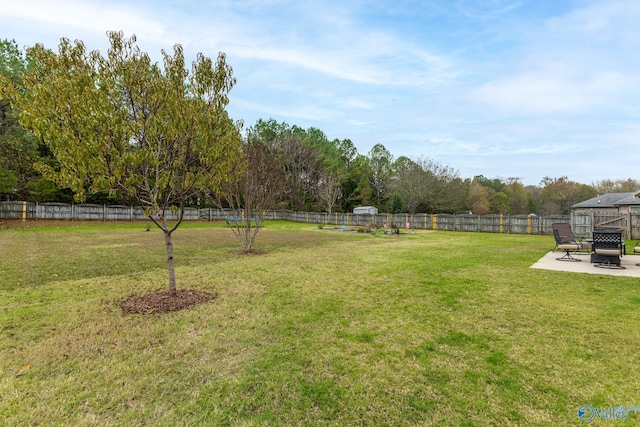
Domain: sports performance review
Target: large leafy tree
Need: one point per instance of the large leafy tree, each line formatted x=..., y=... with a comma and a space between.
x=495, y=196
x=408, y=183
x=427, y=186
x=616, y=186
x=123, y=123
x=319, y=173
x=559, y=194
x=300, y=157
x=520, y=201
x=302, y=166
x=330, y=168
x=380, y=162
x=349, y=193
x=19, y=149
x=15, y=147
x=479, y=198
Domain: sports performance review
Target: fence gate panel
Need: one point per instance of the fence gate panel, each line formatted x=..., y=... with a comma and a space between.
x=609, y=220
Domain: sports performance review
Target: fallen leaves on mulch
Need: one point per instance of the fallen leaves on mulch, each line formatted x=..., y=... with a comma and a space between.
x=164, y=301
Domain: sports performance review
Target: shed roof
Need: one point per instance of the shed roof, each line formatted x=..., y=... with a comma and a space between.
x=365, y=209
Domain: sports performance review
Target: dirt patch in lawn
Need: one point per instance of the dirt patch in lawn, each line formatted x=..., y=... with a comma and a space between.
x=164, y=301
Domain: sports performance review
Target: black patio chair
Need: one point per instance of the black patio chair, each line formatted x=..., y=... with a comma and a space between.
x=608, y=248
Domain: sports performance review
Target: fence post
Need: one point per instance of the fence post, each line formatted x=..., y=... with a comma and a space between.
x=500, y=223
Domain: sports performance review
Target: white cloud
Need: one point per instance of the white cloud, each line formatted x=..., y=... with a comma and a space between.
x=73, y=18
x=269, y=109
x=548, y=92
x=574, y=63
x=600, y=21
x=380, y=62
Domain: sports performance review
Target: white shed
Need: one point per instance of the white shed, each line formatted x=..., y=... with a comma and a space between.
x=365, y=210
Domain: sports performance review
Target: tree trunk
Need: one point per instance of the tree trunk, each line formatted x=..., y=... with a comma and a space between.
x=247, y=234
x=168, y=239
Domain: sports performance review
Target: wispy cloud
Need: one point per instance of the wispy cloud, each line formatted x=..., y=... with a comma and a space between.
x=359, y=54
x=576, y=63
x=485, y=9
x=552, y=92
x=76, y=17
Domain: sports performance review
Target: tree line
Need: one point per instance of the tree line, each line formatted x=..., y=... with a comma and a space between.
x=303, y=170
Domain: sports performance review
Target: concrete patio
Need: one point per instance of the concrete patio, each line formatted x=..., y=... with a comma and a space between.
x=549, y=262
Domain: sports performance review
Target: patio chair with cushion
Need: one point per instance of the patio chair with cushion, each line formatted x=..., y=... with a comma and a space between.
x=567, y=247
x=608, y=247
x=636, y=250
x=566, y=237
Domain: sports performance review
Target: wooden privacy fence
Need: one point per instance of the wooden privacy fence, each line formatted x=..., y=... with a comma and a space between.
x=514, y=224
x=80, y=212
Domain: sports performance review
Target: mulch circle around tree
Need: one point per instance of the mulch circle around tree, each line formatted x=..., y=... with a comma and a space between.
x=164, y=301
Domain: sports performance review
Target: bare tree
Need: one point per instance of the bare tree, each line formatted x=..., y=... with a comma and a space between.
x=329, y=189
x=253, y=187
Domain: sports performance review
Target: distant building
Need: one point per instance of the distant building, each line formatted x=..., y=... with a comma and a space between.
x=611, y=211
x=365, y=210
x=620, y=203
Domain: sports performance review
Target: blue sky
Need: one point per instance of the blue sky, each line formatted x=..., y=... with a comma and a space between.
x=503, y=88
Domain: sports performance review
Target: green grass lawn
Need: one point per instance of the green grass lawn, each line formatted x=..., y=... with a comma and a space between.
x=326, y=328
